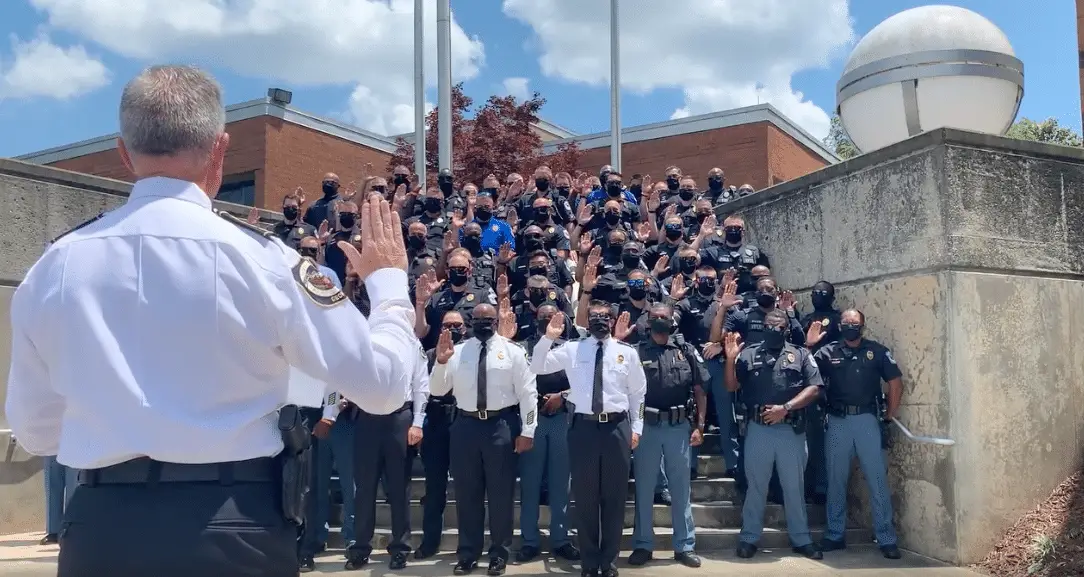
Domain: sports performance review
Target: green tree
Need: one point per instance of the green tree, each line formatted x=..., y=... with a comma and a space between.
x=1048, y=131
x=838, y=141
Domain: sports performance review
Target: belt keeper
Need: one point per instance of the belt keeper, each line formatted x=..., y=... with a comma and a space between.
x=154, y=473
x=225, y=474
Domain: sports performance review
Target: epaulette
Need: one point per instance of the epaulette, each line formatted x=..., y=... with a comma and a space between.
x=243, y=223
x=85, y=223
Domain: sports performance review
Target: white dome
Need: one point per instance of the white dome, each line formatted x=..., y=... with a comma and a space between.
x=927, y=68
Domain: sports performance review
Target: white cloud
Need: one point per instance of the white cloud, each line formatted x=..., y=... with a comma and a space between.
x=368, y=44
x=40, y=68
x=518, y=87
x=716, y=51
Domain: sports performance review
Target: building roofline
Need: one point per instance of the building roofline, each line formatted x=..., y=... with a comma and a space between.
x=701, y=123
x=234, y=113
x=555, y=129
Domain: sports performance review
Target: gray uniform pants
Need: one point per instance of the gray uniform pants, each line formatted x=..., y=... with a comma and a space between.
x=849, y=436
x=779, y=446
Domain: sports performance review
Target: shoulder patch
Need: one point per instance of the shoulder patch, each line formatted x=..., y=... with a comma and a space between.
x=888, y=355
x=315, y=284
x=243, y=223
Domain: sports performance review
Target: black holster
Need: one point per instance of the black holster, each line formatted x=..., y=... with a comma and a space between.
x=296, y=440
x=882, y=414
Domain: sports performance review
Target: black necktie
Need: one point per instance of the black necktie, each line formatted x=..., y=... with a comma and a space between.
x=596, y=391
x=481, y=394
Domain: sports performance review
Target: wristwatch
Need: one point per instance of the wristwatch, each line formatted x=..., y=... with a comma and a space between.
x=787, y=407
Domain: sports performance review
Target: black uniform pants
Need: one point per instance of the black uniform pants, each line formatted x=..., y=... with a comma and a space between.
x=435, y=458
x=380, y=449
x=600, y=454
x=313, y=532
x=484, y=469
x=177, y=529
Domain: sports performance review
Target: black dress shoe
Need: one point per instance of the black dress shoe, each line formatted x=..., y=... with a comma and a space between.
x=496, y=567
x=688, y=559
x=663, y=497
x=611, y=572
x=809, y=552
x=639, y=557
x=464, y=567
x=356, y=563
x=731, y=474
x=891, y=552
x=544, y=498
x=567, y=551
x=425, y=552
x=746, y=550
x=398, y=561
x=526, y=554
x=50, y=539
x=693, y=474
x=830, y=545
x=306, y=565
x=589, y=573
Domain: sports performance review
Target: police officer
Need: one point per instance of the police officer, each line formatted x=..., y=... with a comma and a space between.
x=675, y=376
x=778, y=381
x=824, y=314
x=495, y=233
x=673, y=238
x=749, y=323
x=454, y=203
x=497, y=418
x=537, y=263
x=347, y=223
x=539, y=291
x=749, y=298
x=728, y=249
x=423, y=260
x=548, y=461
x=439, y=414
x=77, y=395
x=854, y=367
x=431, y=304
x=382, y=449
x=556, y=237
x=543, y=190
x=483, y=260
x=323, y=209
x=716, y=191
x=290, y=229
x=434, y=218
x=606, y=391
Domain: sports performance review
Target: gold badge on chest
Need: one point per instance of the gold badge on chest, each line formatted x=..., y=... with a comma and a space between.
x=869, y=355
x=790, y=357
x=620, y=359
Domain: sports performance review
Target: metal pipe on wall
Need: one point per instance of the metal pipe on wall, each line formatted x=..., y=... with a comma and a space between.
x=444, y=83
x=615, y=88
x=419, y=89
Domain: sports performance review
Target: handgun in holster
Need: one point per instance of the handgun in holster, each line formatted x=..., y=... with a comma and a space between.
x=882, y=419
x=738, y=408
x=296, y=441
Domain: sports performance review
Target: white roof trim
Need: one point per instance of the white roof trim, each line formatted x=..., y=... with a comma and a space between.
x=555, y=129
x=234, y=113
x=701, y=123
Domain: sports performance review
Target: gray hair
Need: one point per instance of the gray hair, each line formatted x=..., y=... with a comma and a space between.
x=167, y=110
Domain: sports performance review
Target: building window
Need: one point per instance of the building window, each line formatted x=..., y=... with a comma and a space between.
x=238, y=189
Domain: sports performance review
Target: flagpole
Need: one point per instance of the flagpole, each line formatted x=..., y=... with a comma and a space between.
x=419, y=89
x=444, y=83
x=615, y=88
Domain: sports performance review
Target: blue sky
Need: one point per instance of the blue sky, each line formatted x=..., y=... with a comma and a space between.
x=65, y=62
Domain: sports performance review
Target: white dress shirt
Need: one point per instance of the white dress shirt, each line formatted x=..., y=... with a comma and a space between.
x=509, y=380
x=165, y=330
x=623, y=382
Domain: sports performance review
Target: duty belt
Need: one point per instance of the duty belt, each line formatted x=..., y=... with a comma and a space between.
x=841, y=410
x=146, y=470
x=756, y=415
x=602, y=417
x=409, y=405
x=673, y=415
x=488, y=413
x=542, y=403
x=440, y=409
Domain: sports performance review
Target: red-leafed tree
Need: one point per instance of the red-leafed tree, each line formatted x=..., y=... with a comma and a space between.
x=498, y=139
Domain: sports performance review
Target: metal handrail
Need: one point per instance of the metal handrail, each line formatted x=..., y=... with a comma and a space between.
x=920, y=439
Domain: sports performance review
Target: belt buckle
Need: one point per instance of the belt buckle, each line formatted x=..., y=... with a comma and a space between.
x=604, y=417
x=483, y=415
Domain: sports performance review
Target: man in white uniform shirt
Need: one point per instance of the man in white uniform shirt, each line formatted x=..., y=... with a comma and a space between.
x=607, y=389
x=497, y=417
x=152, y=349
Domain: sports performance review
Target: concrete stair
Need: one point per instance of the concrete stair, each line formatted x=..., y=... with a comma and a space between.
x=717, y=511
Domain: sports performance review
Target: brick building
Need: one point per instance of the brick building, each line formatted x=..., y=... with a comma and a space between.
x=275, y=148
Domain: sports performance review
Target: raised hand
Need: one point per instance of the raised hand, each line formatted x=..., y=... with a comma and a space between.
x=707, y=228
x=732, y=345
x=671, y=210
x=730, y=275
x=382, y=243
x=583, y=216
x=814, y=334
x=300, y=192
x=506, y=254
x=323, y=232
x=585, y=243
x=445, y=348
x=512, y=218
x=622, y=330
x=643, y=230
x=253, y=216
x=400, y=196
x=425, y=287
x=451, y=241
x=351, y=190
x=786, y=301
x=712, y=350
x=677, y=288
x=730, y=296
x=506, y=320
x=502, y=286
x=515, y=190
x=660, y=266
x=556, y=328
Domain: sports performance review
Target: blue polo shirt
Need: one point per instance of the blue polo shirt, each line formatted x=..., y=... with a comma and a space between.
x=494, y=234
x=600, y=194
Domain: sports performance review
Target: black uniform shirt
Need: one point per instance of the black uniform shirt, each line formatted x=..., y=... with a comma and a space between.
x=672, y=371
x=854, y=375
x=775, y=377
x=334, y=258
x=697, y=313
x=448, y=300
x=743, y=259
x=435, y=229
x=291, y=234
x=829, y=322
x=553, y=382
x=749, y=324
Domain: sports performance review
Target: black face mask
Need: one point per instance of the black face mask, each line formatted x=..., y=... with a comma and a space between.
x=672, y=182
x=483, y=214
x=381, y=190
x=539, y=271
x=688, y=265
x=416, y=242
x=564, y=191
x=613, y=218
x=774, y=338
x=613, y=251
x=445, y=186
x=701, y=216
x=400, y=180
x=638, y=293
x=850, y=332
x=687, y=194
x=542, y=184
x=661, y=326
x=630, y=259
x=542, y=215
x=434, y=205
x=309, y=252
x=290, y=212
x=636, y=189
x=330, y=188
x=458, y=277
x=347, y=221
x=613, y=189
x=673, y=231
x=599, y=327
x=533, y=244
x=472, y=242
x=537, y=296
x=490, y=192
x=765, y=299
x=457, y=334
x=483, y=328
x=822, y=301
x=715, y=184
x=733, y=235
x=543, y=322
x=705, y=286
